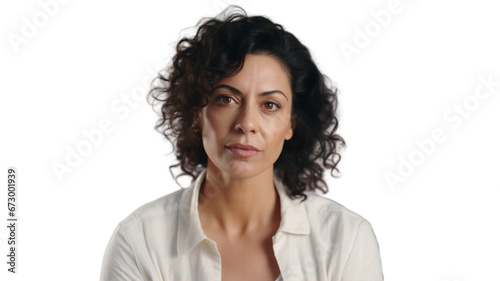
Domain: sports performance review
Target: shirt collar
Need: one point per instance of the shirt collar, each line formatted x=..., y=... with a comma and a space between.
x=189, y=231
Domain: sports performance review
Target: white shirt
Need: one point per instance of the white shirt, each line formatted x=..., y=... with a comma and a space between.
x=318, y=239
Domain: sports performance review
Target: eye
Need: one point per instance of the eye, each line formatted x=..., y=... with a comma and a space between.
x=271, y=104
x=223, y=98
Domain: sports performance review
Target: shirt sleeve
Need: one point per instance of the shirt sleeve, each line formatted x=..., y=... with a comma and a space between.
x=363, y=263
x=119, y=262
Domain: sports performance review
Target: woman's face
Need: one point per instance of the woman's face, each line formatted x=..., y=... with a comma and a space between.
x=253, y=108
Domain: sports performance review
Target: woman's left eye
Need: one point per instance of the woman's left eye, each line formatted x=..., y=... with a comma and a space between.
x=273, y=103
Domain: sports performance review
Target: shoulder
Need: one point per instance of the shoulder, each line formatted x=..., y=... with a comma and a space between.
x=326, y=214
x=165, y=206
x=319, y=204
x=333, y=226
x=143, y=233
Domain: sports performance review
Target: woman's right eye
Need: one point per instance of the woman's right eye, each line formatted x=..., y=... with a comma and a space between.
x=223, y=98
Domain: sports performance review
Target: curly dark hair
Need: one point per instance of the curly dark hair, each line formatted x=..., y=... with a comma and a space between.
x=218, y=50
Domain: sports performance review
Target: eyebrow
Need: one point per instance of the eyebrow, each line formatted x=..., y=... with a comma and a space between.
x=232, y=89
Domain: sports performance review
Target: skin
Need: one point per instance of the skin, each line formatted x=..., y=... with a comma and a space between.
x=238, y=204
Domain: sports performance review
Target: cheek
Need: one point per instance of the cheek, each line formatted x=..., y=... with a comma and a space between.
x=213, y=120
x=214, y=125
x=275, y=133
x=277, y=127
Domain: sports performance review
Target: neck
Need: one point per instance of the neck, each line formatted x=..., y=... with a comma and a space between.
x=238, y=206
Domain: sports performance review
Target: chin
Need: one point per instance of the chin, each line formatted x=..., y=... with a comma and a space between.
x=244, y=170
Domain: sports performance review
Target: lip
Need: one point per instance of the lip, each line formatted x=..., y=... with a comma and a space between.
x=243, y=150
x=242, y=146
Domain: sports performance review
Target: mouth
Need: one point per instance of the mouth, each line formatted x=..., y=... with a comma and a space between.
x=244, y=151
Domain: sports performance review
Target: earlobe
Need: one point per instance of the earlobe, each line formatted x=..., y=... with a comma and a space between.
x=200, y=117
x=291, y=129
x=197, y=121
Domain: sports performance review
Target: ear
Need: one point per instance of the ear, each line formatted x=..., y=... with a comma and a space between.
x=197, y=120
x=289, y=133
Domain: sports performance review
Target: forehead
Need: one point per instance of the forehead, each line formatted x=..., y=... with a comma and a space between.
x=260, y=72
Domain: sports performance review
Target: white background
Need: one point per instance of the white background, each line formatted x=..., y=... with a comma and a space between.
x=78, y=67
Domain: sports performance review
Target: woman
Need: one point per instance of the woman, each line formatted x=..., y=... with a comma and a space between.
x=254, y=124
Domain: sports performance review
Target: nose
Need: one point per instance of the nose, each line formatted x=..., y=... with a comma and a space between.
x=247, y=119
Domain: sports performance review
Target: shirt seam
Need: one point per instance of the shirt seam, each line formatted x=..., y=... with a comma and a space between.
x=133, y=252
x=352, y=247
